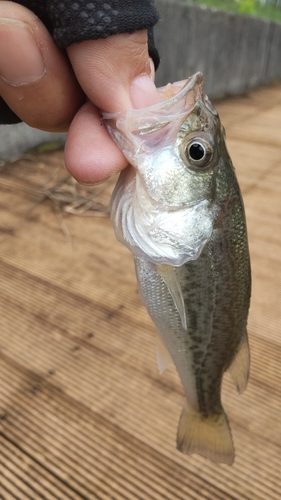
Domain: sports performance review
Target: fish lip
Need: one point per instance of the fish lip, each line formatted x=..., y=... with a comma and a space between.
x=193, y=81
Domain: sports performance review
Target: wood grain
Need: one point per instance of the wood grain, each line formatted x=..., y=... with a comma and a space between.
x=84, y=413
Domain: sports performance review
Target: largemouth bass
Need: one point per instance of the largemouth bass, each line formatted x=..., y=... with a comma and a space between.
x=178, y=208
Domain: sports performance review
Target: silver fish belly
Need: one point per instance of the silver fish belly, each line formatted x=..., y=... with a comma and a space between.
x=178, y=208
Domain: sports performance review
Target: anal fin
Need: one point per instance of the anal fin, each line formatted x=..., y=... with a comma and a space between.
x=240, y=367
x=169, y=276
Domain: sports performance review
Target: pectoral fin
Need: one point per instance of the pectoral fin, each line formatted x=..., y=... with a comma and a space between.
x=170, y=278
x=240, y=366
x=162, y=354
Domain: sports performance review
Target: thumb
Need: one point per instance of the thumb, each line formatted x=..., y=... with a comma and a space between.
x=115, y=73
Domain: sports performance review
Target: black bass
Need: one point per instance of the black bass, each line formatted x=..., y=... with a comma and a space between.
x=178, y=208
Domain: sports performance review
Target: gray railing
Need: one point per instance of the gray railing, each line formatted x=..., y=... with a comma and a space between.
x=235, y=52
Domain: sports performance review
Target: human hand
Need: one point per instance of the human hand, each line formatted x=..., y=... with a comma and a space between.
x=55, y=91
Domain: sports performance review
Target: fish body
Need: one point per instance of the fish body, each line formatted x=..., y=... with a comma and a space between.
x=179, y=209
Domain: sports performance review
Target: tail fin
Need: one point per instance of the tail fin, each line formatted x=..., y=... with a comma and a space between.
x=209, y=437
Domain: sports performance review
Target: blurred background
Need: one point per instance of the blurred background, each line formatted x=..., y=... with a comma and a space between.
x=235, y=52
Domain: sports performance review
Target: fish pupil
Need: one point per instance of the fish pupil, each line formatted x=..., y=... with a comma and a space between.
x=196, y=151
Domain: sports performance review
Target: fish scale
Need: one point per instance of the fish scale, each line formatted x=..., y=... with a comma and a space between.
x=179, y=209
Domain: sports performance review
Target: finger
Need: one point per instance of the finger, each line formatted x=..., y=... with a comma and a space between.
x=115, y=73
x=90, y=154
x=36, y=79
x=107, y=68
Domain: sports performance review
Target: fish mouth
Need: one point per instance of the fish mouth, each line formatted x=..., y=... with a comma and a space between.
x=140, y=122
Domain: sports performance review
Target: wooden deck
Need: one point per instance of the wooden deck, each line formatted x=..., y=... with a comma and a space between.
x=84, y=412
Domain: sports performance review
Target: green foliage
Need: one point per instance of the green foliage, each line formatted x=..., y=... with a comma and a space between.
x=247, y=7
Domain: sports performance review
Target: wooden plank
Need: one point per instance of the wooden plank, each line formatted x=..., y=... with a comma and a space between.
x=82, y=435
x=84, y=413
x=96, y=378
x=39, y=480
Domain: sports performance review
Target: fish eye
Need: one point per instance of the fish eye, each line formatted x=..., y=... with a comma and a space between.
x=198, y=153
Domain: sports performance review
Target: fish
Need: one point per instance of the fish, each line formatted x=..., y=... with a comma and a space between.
x=178, y=208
